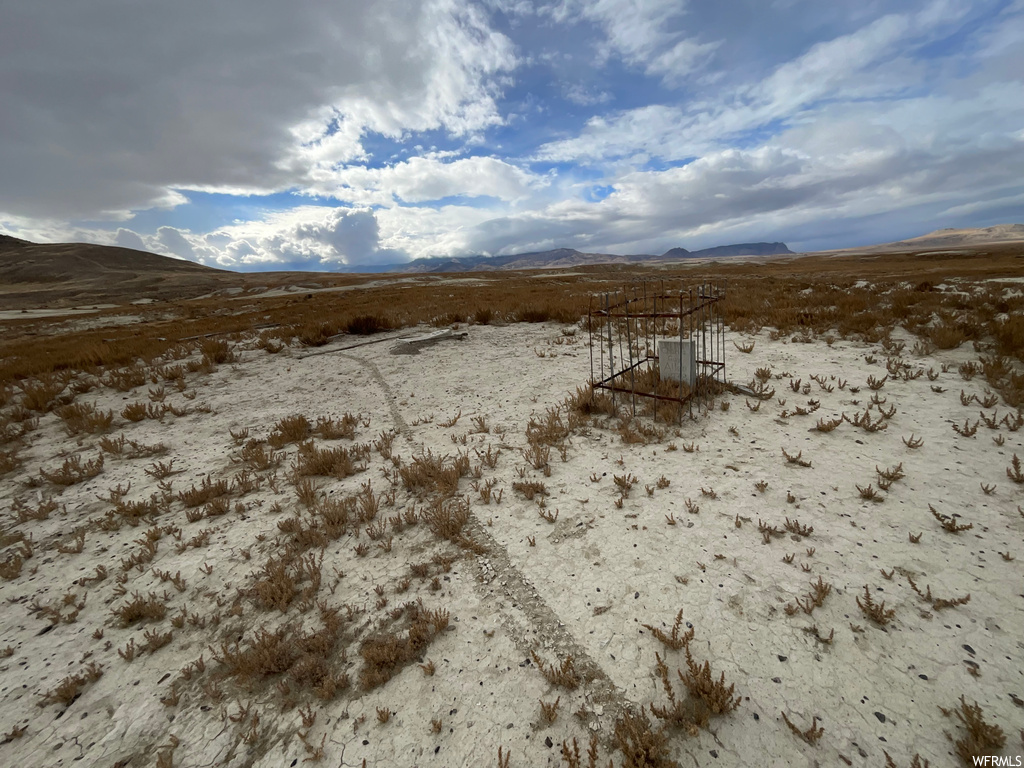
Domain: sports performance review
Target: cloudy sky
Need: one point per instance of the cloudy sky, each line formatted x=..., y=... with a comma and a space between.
x=311, y=134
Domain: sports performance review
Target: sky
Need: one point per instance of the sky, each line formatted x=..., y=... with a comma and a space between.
x=338, y=134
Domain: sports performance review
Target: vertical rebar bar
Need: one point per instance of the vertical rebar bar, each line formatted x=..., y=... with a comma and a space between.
x=590, y=335
x=611, y=348
x=629, y=348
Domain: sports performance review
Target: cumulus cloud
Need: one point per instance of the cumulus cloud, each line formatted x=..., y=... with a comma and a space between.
x=112, y=107
x=308, y=237
x=172, y=242
x=414, y=118
x=128, y=239
x=421, y=179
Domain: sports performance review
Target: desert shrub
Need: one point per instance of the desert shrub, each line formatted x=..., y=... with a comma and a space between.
x=980, y=738
x=432, y=474
x=217, y=351
x=385, y=654
x=337, y=462
x=82, y=417
x=290, y=429
x=449, y=318
x=483, y=315
x=1009, y=336
x=74, y=471
x=41, y=394
x=533, y=315
x=946, y=334
x=70, y=688
x=640, y=745
x=140, y=608
x=9, y=461
x=305, y=658
x=447, y=517
x=364, y=325
x=125, y=379
x=314, y=334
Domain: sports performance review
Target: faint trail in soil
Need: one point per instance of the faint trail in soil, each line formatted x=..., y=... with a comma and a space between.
x=389, y=394
x=533, y=625
x=525, y=616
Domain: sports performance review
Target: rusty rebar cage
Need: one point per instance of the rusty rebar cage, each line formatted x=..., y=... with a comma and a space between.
x=631, y=330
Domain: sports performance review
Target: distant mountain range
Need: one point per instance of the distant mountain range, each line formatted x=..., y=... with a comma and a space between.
x=78, y=274
x=960, y=238
x=560, y=258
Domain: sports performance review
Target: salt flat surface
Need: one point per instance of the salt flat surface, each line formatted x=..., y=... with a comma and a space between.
x=585, y=587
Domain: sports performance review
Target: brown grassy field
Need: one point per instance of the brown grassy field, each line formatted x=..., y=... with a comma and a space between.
x=846, y=295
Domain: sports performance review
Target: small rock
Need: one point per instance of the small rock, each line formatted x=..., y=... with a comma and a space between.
x=548, y=742
x=880, y=716
x=783, y=658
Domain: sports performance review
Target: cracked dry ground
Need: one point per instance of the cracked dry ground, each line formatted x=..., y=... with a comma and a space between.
x=276, y=603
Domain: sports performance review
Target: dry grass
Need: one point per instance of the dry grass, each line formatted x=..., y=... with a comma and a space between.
x=434, y=475
x=564, y=675
x=208, y=489
x=70, y=688
x=876, y=612
x=306, y=659
x=773, y=298
x=384, y=654
x=83, y=417
x=865, y=318
x=811, y=734
x=674, y=639
x=139, y=608
x=290, y=429
x=339, y=462
x=73, y=471
x=980, y=738
x=641, y=745
x=938, y=603
x=41, y=394
x=949, y=523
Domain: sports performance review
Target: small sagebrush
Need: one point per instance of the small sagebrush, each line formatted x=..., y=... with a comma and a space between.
x=70, y=688
x=564, y=675
x=384, y=654
x=876, y=612
x=949, y=523
x=73, y=470
x=811, y=734
x=981, y=738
